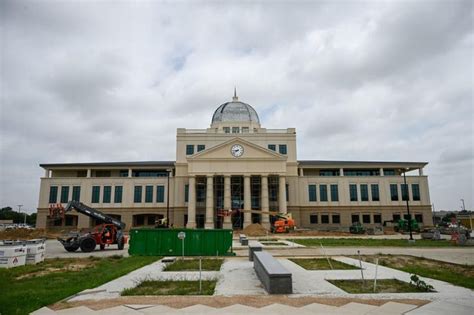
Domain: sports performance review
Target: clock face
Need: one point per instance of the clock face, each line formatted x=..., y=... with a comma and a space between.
x=237, y=150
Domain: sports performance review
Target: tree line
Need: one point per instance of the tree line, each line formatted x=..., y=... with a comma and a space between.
x=7, y=213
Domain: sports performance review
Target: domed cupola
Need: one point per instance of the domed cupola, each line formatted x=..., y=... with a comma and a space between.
x=235, y=112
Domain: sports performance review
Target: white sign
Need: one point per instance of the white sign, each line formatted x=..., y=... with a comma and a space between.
x=181, y=235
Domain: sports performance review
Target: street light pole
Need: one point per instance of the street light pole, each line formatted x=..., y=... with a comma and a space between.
x=408, y=206
x=19, y=209
x=463, y=205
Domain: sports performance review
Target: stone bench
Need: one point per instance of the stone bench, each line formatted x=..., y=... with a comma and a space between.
x=275, y=278
x=243, y=240
x=254, y=248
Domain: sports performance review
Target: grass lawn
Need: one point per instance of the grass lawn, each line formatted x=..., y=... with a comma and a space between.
x=274, y=243
x=27, y=288
x=461, y=275
x=172, y=288
x=383, y=286
x=321, y=264
x=369, y=242
x=193, y=265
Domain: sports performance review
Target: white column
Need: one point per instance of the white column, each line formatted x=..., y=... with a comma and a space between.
x=420, y=171
x=129, y=172
x=89, y=172
x=341, y=172
x=46, y=173
x=209, y=203
x=282, y=195
x=301, y=172
x=192, y=203
x=227, y=219
x=247, y=201
x=381, y=172
x=265, y=203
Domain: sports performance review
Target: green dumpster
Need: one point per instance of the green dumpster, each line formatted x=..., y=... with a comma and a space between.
x=169, y=242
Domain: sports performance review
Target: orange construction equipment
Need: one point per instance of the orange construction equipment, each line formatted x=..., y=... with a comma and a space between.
x=283, y=224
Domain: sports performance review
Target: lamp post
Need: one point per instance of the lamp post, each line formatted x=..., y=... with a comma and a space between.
x=19, y=209
x=168, y=200
x=408, y=206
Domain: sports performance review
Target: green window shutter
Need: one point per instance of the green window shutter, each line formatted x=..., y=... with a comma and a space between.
x=375, y=192
x=353, y=192
x=323, y=192
x=415, y=190
x=118, y=194
x=334, y=193
x=394, y=192
x=64, y=194
x=282, y=148
x=364, y=192
x=189, y=149
x=312, y=192
x=107, y=194
x=160, y=193
x=186, y=193
x=76, y=193
x=53, y=194
x=95, y=194
x=137, y=194
x=149, y=194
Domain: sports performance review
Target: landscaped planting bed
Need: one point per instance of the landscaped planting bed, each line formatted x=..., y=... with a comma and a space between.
x=172, y=288
x=273, y=243
x=321, y=264
x=207, y=264
x=383, y=286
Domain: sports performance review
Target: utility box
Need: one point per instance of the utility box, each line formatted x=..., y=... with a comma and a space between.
x=169, y=242
x=12, y=254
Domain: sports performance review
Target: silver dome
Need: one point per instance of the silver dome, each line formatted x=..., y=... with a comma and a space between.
x=235, y=111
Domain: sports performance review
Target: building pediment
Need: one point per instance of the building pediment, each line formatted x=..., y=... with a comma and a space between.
x=250, y=151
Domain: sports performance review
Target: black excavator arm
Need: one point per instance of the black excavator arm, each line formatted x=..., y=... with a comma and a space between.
x=93, y=213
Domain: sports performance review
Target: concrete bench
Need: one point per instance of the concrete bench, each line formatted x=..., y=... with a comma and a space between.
x=254, y=248
x=243, y=240
x=275, y=278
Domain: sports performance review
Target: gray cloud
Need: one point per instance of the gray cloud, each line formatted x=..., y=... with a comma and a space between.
x=88, y=81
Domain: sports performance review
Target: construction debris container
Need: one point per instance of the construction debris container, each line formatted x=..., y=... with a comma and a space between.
x=169, y=242
x=35, y=251
x=12, y=254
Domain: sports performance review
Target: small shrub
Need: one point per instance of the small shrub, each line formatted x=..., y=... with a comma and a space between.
x=420, y=284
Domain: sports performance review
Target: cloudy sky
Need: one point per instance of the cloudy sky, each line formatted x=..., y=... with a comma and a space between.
x=100, y=81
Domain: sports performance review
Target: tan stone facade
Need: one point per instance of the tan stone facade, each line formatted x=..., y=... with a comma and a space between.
x=237, y=165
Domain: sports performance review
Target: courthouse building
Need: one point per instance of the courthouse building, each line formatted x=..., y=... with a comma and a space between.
x=237, y=165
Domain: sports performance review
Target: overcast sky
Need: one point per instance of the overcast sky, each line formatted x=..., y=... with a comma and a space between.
x=89, y=81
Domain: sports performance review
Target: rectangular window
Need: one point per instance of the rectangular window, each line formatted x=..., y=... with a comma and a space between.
x=355, y=218
x=377, y=218
x=201, y=147
x=334, y=193
x=95, y=194
x=137, y=194
x=123, y=173
x=353, y=192
x=235, y=130
x=226, y=129
x=160, y=193
x=366, y=218
x=148, y=194
x=336, y=219
x=64, y=194
x=53, y=194
x=407, y=216
x=313, y=218
x=272, y=147
x=415, y=190
x=245, y=129
x=76, y=193
x=394, y=192
x=107, y=194
x=323, y=192
x=404, y=191
x=325, y=219
x=118, y=194
x=375, y=192
x=419, y=217
x=312, y=192
x=186, y=193
x=282, y=149
x=364, y=192
x=189, y=149
x=396, y=218
x=82, y=173
x=388, y=172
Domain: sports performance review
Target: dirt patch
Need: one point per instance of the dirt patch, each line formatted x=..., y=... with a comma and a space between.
x=255, y=230
x=27, y=234
x=223, y=301
x=55, y=266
